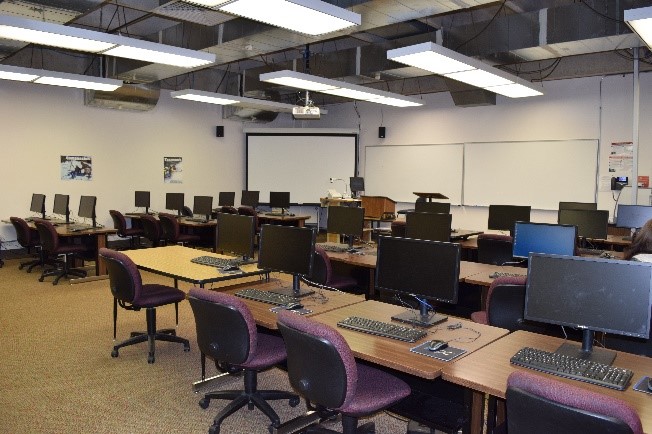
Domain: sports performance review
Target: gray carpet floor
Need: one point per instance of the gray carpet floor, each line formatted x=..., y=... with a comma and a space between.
x=57, y=374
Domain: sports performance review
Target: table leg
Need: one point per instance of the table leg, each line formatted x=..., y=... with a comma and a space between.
x=100, y=263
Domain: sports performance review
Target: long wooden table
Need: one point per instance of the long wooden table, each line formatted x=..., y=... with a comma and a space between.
x=287, y=220
x=486, y=371
x=174, y=262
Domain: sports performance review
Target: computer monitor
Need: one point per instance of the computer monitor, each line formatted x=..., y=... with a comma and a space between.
x=633, y=216
x=578, y=205
x=432, y=207
x=203, y=205
x=356, y=185
x=226, y=198
x=235, y=234
x=279, y=199
x=249, y=198
x=591, y=294
x=142, y=200
x=287, y=249
x=60, y=207
x=38, y=204
x=590, y=223
x=543, y=238
x=428, y=226
x=425, y=270
x=174, y=201
x=87, y=208
x=502, y=217
x=346, y=220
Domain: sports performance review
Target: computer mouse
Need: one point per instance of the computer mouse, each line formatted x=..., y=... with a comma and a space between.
x=436, y=345
x=293, y=305
x=231, y=268
x=649, y=384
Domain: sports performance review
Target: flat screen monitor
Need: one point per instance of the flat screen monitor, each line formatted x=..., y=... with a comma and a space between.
x=633, y=216
x=591, y=294
x=174, y=201
x=543, y=238
x=87, y=208
x=60, y=207
x=356, y=184
x=578, y=205
x=346, y=220
x=203, y=205
x=279, y=199
x=428, y=226
x=590, y=223
x=249, y=198
x=287, y=249
x=502, y=217
x=235, y=234
x=425, y=270
x=142, y=200
x=38, y=204
x=226, y=198
x=433, y=207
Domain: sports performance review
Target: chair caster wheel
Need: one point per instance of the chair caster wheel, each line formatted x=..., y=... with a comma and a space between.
x=114, y=353
x=294, y=401
x=186, y=348
x=214, y=430
x=203, y=403
x=150, y=359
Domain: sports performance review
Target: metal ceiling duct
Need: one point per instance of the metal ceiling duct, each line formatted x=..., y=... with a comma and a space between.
x=132, y=97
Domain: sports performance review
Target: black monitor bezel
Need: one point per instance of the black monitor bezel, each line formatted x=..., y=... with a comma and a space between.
x=226, y=198
x=356, y=183
x=61, y=203
x=205, y=202
x=87, y=203
x=279, y=199
x=536, y=224
x=287, y=233
x=227, y=221
x=589, y=206
x=345, y=220
x=250, y=198
x=619, y=220
x=142, y=199
x=496, y=219
x=428, y=226
x=37, y=204
x=172, y=199
x=576, y=217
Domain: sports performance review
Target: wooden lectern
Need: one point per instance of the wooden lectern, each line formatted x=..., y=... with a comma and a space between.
x=378, y=207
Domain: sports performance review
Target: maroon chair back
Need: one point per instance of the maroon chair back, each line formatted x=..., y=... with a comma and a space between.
x=119, y=222
x=152, y=229
x=170, y=227
x=26, y=236
x=48, y=235
x=124, y=278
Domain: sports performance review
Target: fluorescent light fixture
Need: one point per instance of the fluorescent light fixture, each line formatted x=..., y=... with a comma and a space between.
x=335, y=87
x=640, y=21
x=72, y=38
x=223, y=99
x=54, y=78
x=311, y=17
x=451, y=64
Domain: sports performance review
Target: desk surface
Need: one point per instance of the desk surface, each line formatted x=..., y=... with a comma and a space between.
x=183, y=221
x=396, y=354
x=174, y=262
x=264, y=317
x=487, y=369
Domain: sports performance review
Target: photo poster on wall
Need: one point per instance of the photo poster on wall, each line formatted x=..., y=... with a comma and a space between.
x=172, y=170
x=76, y=167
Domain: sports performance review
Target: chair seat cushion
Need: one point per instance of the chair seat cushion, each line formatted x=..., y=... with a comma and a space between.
x=480, y=317
x=342, y=282
x=375, y=391
x=71, y=248
x=270, y=350
x=153, y=295
x=188, y=238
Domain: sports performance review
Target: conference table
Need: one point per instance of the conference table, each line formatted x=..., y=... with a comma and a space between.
x=286, y=219
x=175, y=262
x=486, y=371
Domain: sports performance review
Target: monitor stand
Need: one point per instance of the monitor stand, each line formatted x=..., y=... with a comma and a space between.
x=295, y=291
x=422, y=318
x=587, y=351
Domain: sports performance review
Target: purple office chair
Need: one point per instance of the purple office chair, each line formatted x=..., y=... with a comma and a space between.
x=120, y=224
x=538, y=404
x=152, y=230
x=495, y=249
x=322, y=273
x=228, y=210
x=53, y=248
x=172, y=231
x=130, y=293
x=226, y=332
x=323, y=370
x=505, y=303
x=250, y=211
x=29, y=239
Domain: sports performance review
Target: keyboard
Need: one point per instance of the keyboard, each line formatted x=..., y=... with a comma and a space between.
x=195, y=220
x=379, y=328
x=279, y=214
x=78, y=227
x=573, y=368
x=221, y=262
x=334, y=247
x=503, y=274
x=591, y=252
x=266, y=296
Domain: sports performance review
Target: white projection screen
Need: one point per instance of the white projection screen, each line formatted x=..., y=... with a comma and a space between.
x=301, y=163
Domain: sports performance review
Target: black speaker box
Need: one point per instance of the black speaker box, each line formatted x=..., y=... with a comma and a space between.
x=219, y=131
x=381, y=132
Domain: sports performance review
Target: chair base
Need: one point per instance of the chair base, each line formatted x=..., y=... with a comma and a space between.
x=168, y=335
x=64, y=271
x=251, y=397
x=30, y=264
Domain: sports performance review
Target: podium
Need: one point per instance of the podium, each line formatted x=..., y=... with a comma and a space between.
x=430, y=196
x=378, y=208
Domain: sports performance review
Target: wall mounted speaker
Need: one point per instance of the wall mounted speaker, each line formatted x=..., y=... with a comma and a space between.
x=219, y=131
x=381, y=132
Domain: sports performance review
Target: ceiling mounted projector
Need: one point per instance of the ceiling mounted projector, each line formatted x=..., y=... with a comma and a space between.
x=306, y=112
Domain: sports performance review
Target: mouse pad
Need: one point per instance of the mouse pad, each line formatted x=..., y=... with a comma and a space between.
x=447, y=354
x=302, y=311
x=641, y=386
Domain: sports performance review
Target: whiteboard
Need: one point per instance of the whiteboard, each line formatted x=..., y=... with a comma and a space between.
x=540, y=174
x=399, y=170
x=301, y=163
